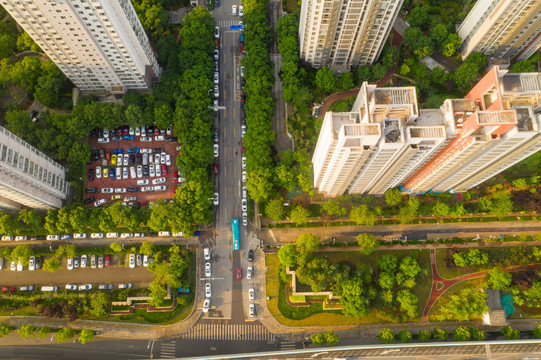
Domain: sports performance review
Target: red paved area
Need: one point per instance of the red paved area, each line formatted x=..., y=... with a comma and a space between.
x=169, y=147
x=447, y=283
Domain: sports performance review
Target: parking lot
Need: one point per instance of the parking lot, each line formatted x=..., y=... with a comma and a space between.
x=148, y=171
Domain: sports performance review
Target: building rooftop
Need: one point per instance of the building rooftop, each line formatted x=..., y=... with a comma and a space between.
x=395, y=96
x=521, y=82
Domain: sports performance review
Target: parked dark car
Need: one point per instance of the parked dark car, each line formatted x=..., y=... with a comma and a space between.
x=172, y=139
x=139, y=158
x=102, y=153
x=132, y=159
x=117, y=138
x=96, y=155
x=92, y=190
x=145, y=171
x=89, y=200
x=39, y=262
x=251, y=255
x=133, y=188
x=91, y=174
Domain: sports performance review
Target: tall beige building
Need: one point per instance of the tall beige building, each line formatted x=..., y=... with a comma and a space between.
x=377, y=145
x=386, y=142
x=98, y=44
x=342, y=33
x=28, y=177
x=502, y=29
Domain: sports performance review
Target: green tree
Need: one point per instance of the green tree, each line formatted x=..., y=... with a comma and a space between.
x=537, y=331
x=299, y=215
x=116, y=247
x=469, y=304
x=26, y=330
x=147, y=248
x=100, y=304
x=353, y=297
x=51, y=264
x=405, y=336
x=7, y=224
x=438, y=33
x=440, y=334
x=275, y=210
x=418, y=16
x=25, y=42
x=288, y=255
x=31, y=218
x=386, y=336
x=462, y=333
x=7, y=45
x=43, y=332
x=367, y=243
x=393, y=197
x=441, y=209
x=333, y=208
x=408, y=303
x=499, y=279
x=157, y=292
x=308, y=242
x=510, y=333
x=345, y=81
x=418, y=43
x=502, y=204
x=86, y=335
x=362, y=215
x=477, y=334
x=317, y=339
x=65, y=334
x=331, y=339
x=23, y=253
x=451, y=45
x=364, y=73
x=424, y=335
x=325, y=80
x=48, y=89
x=5, y=328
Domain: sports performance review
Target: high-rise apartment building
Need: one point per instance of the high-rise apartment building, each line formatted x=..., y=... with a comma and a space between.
x=386, y=142
x=98, y=44
x=502, y=29
x=377, y=145
x=340, y=33
x=28, y=177
x=500, y=127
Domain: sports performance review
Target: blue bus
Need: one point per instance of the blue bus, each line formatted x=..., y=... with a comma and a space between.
x=235, y=228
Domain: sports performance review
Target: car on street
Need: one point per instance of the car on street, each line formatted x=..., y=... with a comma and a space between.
x=164, y=233
x=234, y=10
x=241, y=12
x=85, y=287
x=112, y=235
x=251, y=294
x=244, y=218
x=242, y=71
x=251, y=255
x=243, y=159
x=215, y=169
x=13, y=266
x=125, y=286
x=206, y=305
x=217, y=32
x=243, y=130
x=206, y=253
x=216, y=200
x=239, y=273
x=70, y=263
x=216, y=77
x=27, y=288
x=216, y=54
x=100, y=202
x=132, y=261
x=244, y=192
x=106, y=287
x=244, y=203
x=251, y=310
x=53, y=237
x=216, y=91
x=71, y=287
x=216, y=148
x=79, y=236
x=107, y=260
x=207, y=270
x=96, y=235
x=249, y=273
x=207, y=290
x=32, y=263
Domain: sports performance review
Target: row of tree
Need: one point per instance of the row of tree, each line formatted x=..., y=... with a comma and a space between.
x=62, y=335
x=259, y=105
x=387, y=286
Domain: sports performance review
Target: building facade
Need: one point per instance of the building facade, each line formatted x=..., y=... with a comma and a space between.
x=508, y=29
x=28, y=177
x=100, y=45
x=341, y=34
x=386, y=142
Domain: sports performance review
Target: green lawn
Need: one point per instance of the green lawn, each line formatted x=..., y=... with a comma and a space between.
x=445, y=297
x=314, y=315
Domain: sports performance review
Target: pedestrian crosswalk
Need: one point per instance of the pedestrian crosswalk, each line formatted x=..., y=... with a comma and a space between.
x=287, y=345
x=168, y=350
x=227, y=23
x=228, y=332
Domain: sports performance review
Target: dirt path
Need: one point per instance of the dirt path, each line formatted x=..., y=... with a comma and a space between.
x=447, y=283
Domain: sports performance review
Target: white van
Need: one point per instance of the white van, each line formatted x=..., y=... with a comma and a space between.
x=119, y=173
x=133, y=173
x=49, y=288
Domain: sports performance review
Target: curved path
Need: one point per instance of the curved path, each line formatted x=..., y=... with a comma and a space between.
x=447, y=283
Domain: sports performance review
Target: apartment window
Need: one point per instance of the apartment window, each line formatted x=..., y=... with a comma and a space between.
x=36, y=169
x=15, y=159
x=21, y=162
x=4, y=152
x=26, y=161
x=31, y=168
x=44, y=178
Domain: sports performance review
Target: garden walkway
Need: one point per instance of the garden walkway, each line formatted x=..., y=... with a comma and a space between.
x=447, y=283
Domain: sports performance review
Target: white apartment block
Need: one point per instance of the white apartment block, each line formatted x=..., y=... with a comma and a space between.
x=100, y=45
x=376, y=145
x=502, y=29
x=28, y=177
x=341, y=33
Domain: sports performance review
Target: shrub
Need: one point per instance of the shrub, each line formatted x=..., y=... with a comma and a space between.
x=386, y=336
x=405, y=336
x=512, y=334
x=424, y=336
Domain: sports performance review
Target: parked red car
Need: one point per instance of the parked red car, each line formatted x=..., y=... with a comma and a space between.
x=107, y=260
x=8, y=289
x=239, y=274
x=216, y=168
